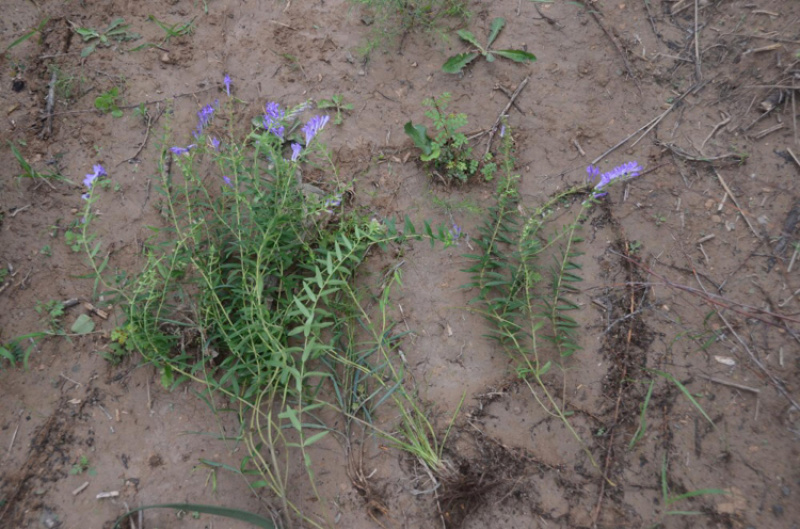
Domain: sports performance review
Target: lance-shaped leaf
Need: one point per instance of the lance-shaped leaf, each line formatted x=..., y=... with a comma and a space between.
x=469, y=37
x=457, y=63
x=419, y=134
x=516, y=55
x=494, y=31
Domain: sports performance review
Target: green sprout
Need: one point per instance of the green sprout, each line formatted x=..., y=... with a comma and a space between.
x=458, y=62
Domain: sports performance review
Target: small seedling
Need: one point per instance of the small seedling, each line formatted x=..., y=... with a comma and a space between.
x=82, y=466
x=449, y=151
x=175, y=30
x=28, y=35
x=142, y=112
x=107, y=102
x=669, y=500
x=46, y=251
x=457, y=63
x=117, y=30
x=27, y=170
x=659, y=219
x=336, y=101
x=53, y=311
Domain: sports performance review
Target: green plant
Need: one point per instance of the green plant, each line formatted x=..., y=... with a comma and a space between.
x=457, y=63
x=659, y=219
x=46, y=251
x=117, y=30
x=28, y=171
x=27, y=35
x=107, y=102
x=507, y=273
x=175, y=30
x=80, y=466
x=336, y=101
x=669, y=499
x=53, y=311
x=225, y=512
x=392, y=19
x=449, y=151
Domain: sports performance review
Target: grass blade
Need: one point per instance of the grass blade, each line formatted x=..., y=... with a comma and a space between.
x=225, y=512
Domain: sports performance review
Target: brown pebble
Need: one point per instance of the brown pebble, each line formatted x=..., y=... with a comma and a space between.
x=166, y=59
x=716, y=218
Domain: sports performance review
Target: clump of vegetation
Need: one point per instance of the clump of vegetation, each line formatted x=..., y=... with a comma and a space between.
x=107, y=102
x=396, y=18
x=336, y=102
x=458, y=62
x=117, y=31
x=448, y=152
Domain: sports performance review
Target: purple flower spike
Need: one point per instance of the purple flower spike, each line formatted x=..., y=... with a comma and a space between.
x=625, y=171
x=296, y=148
x=91, y=177
x=313, y=127
x=227, y=82
x=214, y=143
x=273, y=119
x=179, y=151
x=228, y=181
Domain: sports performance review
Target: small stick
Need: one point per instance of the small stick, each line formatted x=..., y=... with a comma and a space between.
x=109, y=494
x=705, y=255
x=47, y=130
x=761, y=134
x=593, y=11
x=80, y=489
x=794, y=156
x=508, y=93
x=697, y=68
x=722, y=202
x=65, y=377
x=150, y=121
x=503, y=112
x=787, y=300
x=731, y=384
x=726, y=119
x=110, y=418
x=733, y=198
x=13, y=438
x=791, y=263
x=578, y=146
x=649, y=126
x=794, y=115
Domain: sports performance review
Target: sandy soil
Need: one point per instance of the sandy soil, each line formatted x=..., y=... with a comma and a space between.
x=689, y=269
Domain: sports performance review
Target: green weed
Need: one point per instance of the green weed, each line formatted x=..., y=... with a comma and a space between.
x=174, y=30
x=668, y=499
x=336, y=102
x=117, y=31
x=107, y=102
x=28, y=171
x=458, y=62
x=81, y=466
x=27, y=35
x=448, y=152
x=52, y=311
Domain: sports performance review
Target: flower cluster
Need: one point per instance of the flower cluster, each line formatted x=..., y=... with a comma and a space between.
x=90, y=178
x=273, y=119
x=227, y=82
x=625, y=171
x=204, y=118
x=179, y=151
x=313, y=127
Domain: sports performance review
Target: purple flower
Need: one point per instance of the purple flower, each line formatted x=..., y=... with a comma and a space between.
x=228, y=181
x=273, y=119
x=625, y=171
x=214, y=143
x=313, y=127
x=502, y=130
x=333, y=201
x=85, y=196
x=296, y=148
x=91, y=177
x=178, y=151
x=227, y=81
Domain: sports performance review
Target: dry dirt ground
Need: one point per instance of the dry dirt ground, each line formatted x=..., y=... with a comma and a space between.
x=689, y=269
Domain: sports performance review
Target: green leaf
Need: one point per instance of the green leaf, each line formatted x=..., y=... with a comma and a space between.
x=226, y=512
x=314, y=438
x=489, y=57
x=117, y=113
x=456, y=63
x=83, y=325
x=435, y=153
x=469, y=37
x=516, y=55
x=497, y=26
x=419, y=134
x=87, y=51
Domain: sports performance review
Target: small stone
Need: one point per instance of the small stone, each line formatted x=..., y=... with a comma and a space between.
x=786, y=491
x=716, y=218
x=777, y=510
x=166, y=59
